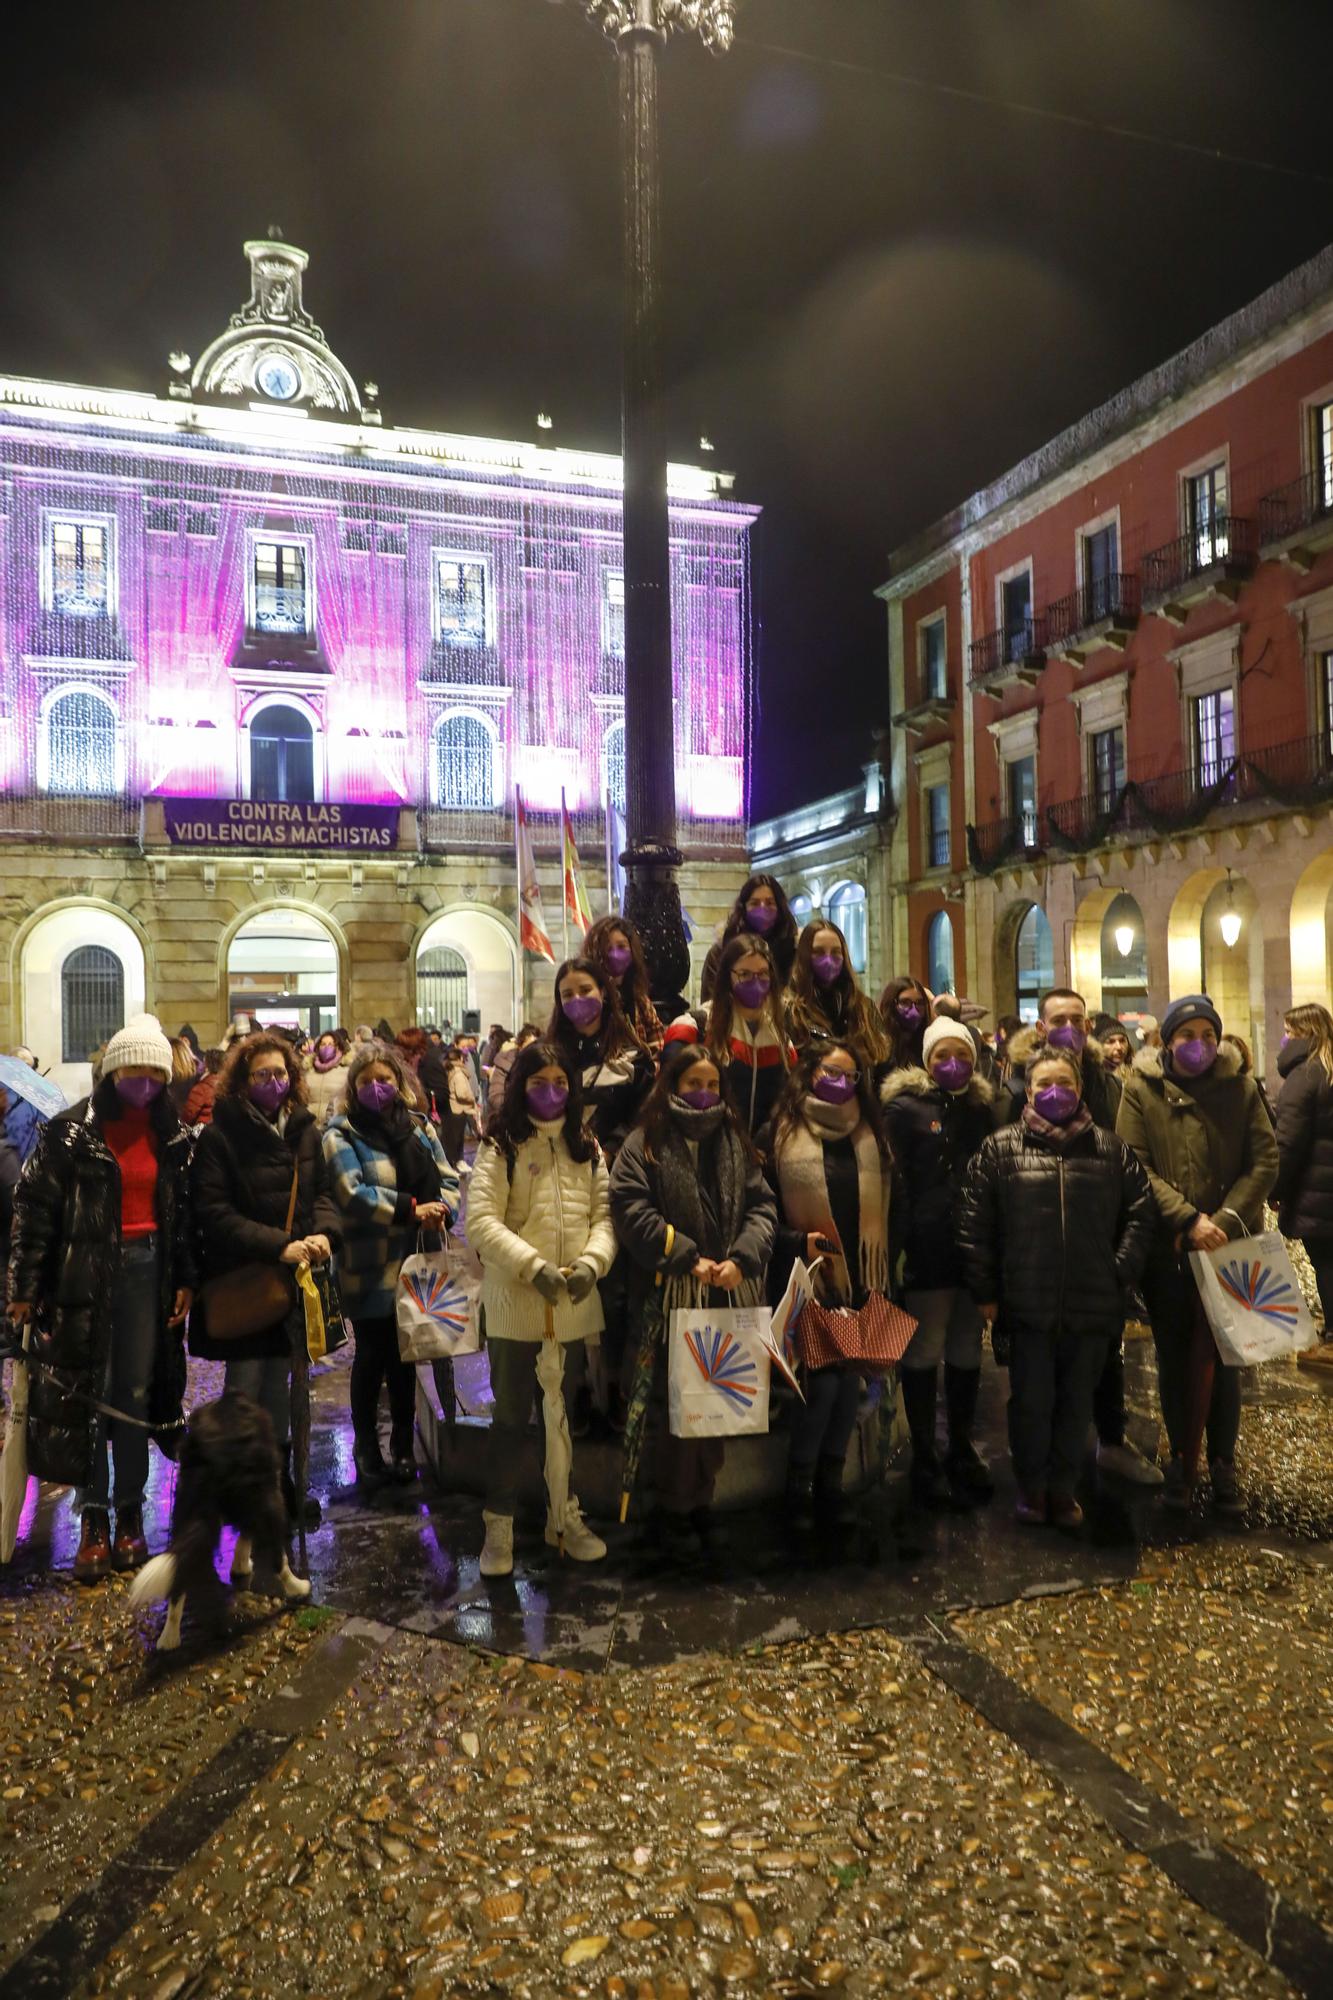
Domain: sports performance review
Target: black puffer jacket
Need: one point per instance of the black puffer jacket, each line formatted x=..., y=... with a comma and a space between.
x=1304, y=1190
x=1101, y=1086
x=65, y=1261
x=240, y=1185
x=1055, y=1235
x=933, y=1136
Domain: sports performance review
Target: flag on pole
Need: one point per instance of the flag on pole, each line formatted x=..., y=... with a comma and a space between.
x=615, y=847
x=532, y=932
x=577, y=907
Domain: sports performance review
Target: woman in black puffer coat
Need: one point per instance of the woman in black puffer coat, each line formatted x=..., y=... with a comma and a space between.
x=1055, y=1221
x=262, y=1133
x=1303, y=1195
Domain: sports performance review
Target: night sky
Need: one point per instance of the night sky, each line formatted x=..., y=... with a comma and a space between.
x=878, y=296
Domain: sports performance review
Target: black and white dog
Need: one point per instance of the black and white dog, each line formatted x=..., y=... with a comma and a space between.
x=229, y=1476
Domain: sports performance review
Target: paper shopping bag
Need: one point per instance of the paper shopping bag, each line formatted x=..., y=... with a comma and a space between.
x=718, y=1372
x=1254, y=1304
x=437, y=1304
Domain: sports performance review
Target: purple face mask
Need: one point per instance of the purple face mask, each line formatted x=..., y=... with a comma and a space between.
x=1286, y=1042
x=1193, y=1057
x=826, y=966
x=834, y=1089
x=268, y=1091
x=752, y=991
x=619, y=959
x=760, y=917
x=1067, y=1036
x=701, y=1100
x=547, y=1101
x=138, y=1090
x=953, y=1073
x=910, y=1012
x=376, y=1097
x=1057, y=1103
x=584, y=1011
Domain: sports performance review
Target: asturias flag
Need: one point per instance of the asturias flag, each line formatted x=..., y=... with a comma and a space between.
x=532, y=931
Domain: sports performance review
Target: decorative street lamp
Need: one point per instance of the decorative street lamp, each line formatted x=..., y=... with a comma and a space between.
x=639, y=29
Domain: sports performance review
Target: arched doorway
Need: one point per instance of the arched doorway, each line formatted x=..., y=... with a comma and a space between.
x=282, y=970
x=1034, y=962
x=1231, y=947
x=466, y=967
x=939, y=953
x=1124, y=952
x=81, y=974
x=846, y=905
x=1312, y=933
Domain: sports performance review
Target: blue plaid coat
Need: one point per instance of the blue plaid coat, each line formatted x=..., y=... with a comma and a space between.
x=376, y=1233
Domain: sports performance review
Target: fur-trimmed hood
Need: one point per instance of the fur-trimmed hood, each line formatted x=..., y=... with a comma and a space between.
x=1025, y=1044
x=1148, y=1062
x=917, y=1082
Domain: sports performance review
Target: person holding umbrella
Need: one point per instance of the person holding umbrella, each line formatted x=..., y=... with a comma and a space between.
x=537, y=1216
x=1201, y=1131
x=32, y=1100
x=102, y=1264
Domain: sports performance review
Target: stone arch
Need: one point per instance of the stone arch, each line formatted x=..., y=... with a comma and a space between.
x=1311, y=958
x=40, y=947
x=1085, y=944
x=488, y=945
x=1199, y=960
x=1004, y=953
x=288, y=907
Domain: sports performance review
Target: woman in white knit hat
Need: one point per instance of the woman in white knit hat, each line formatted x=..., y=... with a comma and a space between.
x=101, y=1263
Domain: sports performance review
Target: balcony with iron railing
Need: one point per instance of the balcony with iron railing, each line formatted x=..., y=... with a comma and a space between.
x=1212, y=559
x=105, y=819
x=1296, y=520
x=450, y=829
x=1008, y=841
x=1101, y=612
x=1015, y=653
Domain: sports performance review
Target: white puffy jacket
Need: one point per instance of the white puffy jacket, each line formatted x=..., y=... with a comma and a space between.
x=551, y=1210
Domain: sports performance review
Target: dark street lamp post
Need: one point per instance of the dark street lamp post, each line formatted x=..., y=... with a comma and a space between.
x=639, y=29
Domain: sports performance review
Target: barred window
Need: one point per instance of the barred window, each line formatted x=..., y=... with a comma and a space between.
x=613, y=765
x=92, y=1001
x=79, y=576
x=463, y=751
x=280, y=587
x=81, y=745
x=460, y=601
x=441, y=988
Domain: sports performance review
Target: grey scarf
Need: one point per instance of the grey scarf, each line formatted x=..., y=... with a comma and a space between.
x=712, y=1220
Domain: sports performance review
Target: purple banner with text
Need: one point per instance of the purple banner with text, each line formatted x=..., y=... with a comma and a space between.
x=272, y=823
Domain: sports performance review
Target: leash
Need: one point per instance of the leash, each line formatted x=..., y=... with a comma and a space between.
x=104, y=1409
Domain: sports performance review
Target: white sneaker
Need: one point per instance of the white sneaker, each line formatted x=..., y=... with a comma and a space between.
x=581, y=1545
x=1126, y=1461
x=497, y=1554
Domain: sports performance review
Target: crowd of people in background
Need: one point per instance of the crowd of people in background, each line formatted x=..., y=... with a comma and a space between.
x=1026, y=1189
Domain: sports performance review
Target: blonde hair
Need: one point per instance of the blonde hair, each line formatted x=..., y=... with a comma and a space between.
x=1315, y=1024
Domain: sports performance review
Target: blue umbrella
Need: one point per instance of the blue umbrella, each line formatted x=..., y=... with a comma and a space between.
x=39, y=1091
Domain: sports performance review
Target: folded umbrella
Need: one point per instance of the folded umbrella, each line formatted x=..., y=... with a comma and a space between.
x=559, y=1449
x=641, y=1385
x=14, y=1461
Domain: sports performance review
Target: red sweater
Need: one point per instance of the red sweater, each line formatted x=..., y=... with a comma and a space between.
x=134, y=1144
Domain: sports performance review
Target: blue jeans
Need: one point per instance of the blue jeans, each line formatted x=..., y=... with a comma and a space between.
x=822, y=1425
x=129, y=1373
x=265, y=1378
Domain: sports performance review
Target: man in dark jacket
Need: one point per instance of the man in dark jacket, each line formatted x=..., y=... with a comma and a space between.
x=1303, y=1195
x=1063, y=1023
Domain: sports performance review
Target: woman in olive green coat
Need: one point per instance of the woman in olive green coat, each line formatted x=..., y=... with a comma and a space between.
x=1201, y=1130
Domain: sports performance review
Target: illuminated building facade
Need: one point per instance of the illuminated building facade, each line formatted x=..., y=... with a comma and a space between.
x=273, y=668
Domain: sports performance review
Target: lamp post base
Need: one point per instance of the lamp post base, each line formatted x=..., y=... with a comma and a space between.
x=652, y=904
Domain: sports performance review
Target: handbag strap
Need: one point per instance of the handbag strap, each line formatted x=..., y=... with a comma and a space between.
x=291, y=1203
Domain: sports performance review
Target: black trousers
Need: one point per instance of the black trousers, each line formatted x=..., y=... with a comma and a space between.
x=1052, y=1377
x=375, y=1362
x=1108, y=1398
x=1186, y=1356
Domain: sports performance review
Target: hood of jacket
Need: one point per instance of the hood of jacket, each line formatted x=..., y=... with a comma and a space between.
x=1296, y=1052
x=1148, y=1062
x=915, y=1082
x=1024, y=1045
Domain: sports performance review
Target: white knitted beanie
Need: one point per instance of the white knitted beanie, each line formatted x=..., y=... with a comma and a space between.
x=945, y=1030
x=141, y=1040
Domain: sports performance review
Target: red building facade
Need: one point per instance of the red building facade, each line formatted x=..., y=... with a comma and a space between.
x=1112, y=680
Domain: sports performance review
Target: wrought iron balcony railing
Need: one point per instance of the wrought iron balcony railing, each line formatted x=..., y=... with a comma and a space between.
x=1003, y=840
x=1009, y=650
x=111, y=818
x=1295, y=508
x=1105, y=601
x=1224, y=545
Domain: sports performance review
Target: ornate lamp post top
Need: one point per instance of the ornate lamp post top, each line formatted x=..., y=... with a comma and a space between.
x=714, y=20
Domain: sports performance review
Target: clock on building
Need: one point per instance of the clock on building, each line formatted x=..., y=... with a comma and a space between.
x=278, y=377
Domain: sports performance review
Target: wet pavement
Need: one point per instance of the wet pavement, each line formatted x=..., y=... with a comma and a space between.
x=942, y=1755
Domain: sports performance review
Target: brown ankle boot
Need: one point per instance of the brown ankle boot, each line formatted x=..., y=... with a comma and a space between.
x=93, y=1559
x=130, y=1550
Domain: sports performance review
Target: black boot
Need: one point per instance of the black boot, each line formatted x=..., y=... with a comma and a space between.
x=371, y=1471
x=798, y=1500
x=402, y=1456
x=313, y=1514
x=832, y=1508
x=969, y=1475
x=929, y=1484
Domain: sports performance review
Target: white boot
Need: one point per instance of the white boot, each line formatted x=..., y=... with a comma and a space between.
x=497, y=1555
x=581, y=1545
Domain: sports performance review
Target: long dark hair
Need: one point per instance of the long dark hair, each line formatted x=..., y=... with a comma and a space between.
x=615, y=1033
x=781, y=940
x=722, y=1006
x=859, y=1022
x=511, y=1124
x=904, y=1042
x=655, y=1118
x=800, y=1085
x=108, y=1104
x=633, y=990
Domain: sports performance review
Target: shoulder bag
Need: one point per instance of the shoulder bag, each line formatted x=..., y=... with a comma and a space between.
x=254, y=1297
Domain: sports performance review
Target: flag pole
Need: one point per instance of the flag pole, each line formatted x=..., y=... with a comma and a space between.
x=564, y=869
x=610, y=872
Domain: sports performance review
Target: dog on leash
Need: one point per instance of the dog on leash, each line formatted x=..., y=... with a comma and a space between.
x=229, y=1476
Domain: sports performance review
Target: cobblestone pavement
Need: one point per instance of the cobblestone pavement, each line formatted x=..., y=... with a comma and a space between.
x=942, y=1757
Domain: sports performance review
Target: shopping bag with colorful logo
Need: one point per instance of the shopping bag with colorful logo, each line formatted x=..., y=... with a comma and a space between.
x=1254, y=1304
x=718, y=1372
x=436, y=1305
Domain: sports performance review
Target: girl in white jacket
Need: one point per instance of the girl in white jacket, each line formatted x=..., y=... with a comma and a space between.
x=537, y=1216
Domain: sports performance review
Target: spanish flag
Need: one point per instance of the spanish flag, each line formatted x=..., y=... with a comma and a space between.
x=578, y=910
x=532, y=932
